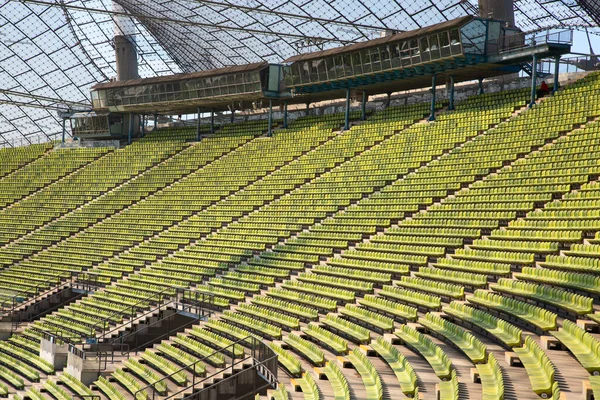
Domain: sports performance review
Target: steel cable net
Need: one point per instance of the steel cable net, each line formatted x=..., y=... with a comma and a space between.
x=52, y=51
x=49, y=58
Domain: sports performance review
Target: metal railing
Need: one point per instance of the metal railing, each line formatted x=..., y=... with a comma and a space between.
x=103, y=352
x=72, y=280
x=522, y=40
x=15, y=308
x=261, y=357
x=133, y=337
x=165, y=298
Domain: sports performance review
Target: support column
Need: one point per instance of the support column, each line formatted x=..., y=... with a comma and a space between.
x=556, y=70
x=307, y=109
x=198, y=126
x=347, y=118
x=389, y=100
x=480, y=86
x=533, y=80
x=433, y=85
x=365, y=98
x=64, y=129
x=270, y=130
x=155, y=121
x=232, y=115
x=130, y=132
x=451, y=96
x=212, y=121
x=285, y=115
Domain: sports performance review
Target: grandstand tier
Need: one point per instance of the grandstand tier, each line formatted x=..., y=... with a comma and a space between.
x=400, y=258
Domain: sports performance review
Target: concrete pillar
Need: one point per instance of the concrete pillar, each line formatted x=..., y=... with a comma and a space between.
x=124, y=41
x=155, y=121
x=130, y=130
x=270, y=129
x=126, y=58
x=556, y=71
x=285, y=115
x=307, y=109
x=87, y=371
x=389, y=100
x=64, y=129
x=232, y=115
x=433, y=85
x=365, y=98
x=347, y=116
x=480, y=80
x=54, y=353
x=143, y=122
x=198, y=126
x=212, y=121
x=451, y=96
x=533, y=80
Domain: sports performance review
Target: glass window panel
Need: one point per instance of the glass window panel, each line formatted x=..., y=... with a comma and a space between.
x=375, y=59
x=385, y=57
x=319, y=65
x=347, y=65
x=434, y=47
x=314, y=73
x=330, y=65
x=357, y=63
x=424, y=47
x=365, y=57
x=473, y=37
x=444, y=38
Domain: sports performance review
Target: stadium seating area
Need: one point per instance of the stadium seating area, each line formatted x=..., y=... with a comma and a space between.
x=398, y=259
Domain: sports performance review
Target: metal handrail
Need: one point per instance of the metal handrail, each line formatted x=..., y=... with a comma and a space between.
x=169, y=332
x=522, y=40
x=242, y=342
x=132, y=309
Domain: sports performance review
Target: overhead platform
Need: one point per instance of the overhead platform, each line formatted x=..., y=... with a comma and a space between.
x=230, y=88
x=462, y=49
x=465, y=48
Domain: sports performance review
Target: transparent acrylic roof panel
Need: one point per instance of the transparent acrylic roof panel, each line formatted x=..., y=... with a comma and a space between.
x=58, y=49
x=57, y=53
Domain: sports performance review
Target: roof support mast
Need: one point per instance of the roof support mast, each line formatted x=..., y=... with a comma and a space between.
x=498, y=9
x=126, y=58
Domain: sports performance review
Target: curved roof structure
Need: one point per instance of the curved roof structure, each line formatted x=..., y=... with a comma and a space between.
x=53, y=51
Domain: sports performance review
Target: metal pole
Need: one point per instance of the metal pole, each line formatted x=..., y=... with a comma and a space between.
x=364, y=106
x=285, y=116
x=143, y=121
x=212, y=121
x=480, y=85
x=64, y=129
x=556, y=67
x=347, y=119
x=270, y=130
x=130, y=128
x=232, y=115
x=389, y=100
x=451, y=104
x=198, y=126
x=533, y=80
x=307, y=109
x=155, y=121
x=433, y=85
